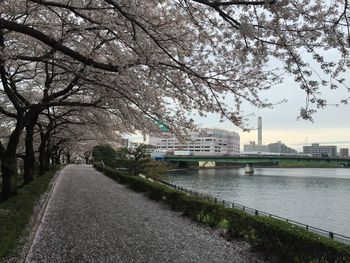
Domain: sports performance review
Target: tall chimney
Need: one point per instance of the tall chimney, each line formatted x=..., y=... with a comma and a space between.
x=259, y=131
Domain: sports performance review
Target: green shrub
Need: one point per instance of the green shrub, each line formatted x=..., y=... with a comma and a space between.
x=137, y=183
x=174, y=198
x=104, y=153
x=275, y=238
x=124, y=163
x=285, y=241
x=155, y=191
x=153, y=169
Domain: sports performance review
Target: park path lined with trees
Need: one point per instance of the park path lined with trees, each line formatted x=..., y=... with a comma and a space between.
x=118, y=67
x=91, y=218
x=74, y=74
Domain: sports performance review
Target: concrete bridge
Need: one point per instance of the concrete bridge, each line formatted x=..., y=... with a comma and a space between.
x=249, y=161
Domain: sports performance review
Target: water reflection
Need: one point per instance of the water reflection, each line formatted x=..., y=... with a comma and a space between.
x=318, y=197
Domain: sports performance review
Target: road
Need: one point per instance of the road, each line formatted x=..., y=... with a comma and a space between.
x=91, y=218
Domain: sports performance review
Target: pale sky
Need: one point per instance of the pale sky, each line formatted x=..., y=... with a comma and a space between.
x=331, y=125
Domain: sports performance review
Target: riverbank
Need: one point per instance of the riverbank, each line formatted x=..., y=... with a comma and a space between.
x=314, y=196
x=272, y=237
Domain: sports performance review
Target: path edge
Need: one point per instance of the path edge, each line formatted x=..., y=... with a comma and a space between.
x=37, y=217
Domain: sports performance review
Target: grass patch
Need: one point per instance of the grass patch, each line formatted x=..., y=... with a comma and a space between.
x=16, y=212
x=272, y=237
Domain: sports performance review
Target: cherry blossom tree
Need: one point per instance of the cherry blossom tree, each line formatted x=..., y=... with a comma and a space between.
x=192, y=51
x=60, y=131
x=32, y=88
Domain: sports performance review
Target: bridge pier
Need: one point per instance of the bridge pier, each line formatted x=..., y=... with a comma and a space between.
x=206, y=164
x=249, y=169
x=182, y=164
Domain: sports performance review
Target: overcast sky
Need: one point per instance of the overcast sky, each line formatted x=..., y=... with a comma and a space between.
x=331, y=125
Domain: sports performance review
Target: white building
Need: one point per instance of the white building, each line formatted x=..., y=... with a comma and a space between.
x=316, y=150
x=203, y=142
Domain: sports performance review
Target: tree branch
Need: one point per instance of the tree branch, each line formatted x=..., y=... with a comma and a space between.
x=232, y=2
x=29, y=31
x=7, y=113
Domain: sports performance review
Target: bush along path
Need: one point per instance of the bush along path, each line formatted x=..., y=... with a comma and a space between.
x=17, y=212
x=276, y=239
x=91, y=218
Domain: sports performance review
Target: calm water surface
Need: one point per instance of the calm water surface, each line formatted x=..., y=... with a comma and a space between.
x=318, y=197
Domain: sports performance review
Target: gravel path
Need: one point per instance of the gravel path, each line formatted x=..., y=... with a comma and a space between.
x=91, y=218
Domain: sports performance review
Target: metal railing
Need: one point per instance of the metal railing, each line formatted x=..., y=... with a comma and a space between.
x=256, y=212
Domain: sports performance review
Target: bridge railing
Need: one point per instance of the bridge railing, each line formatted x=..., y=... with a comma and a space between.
x=256, y=212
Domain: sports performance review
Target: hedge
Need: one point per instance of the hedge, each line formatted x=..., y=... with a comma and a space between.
x=274, y=238
x=16, y=212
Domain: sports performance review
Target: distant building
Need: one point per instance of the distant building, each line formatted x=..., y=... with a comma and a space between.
x=279, y=147
x=203, y=142
x=316, y=150
x=344, y=152
x=255, y=148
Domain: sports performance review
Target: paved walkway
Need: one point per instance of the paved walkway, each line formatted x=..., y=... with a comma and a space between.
x=91, y=218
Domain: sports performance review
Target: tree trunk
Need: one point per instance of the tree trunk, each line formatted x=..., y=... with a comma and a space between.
x=53, y=157
x=68, y=156
x=42, y=157
x=87, y=155
x=47, y=159
x=59, y=155
x=9, y=176
x=9, y=162
x=57, y=159
x=29, y=158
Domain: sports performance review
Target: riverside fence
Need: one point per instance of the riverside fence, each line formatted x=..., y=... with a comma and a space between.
x=256, y=212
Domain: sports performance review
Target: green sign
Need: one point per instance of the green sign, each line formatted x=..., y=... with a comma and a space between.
x=162, y=126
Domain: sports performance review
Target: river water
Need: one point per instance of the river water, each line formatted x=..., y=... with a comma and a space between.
x=317, y=197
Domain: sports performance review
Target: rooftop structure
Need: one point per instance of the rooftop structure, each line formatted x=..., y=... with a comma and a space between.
x=257, y=148
x=259, y=131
